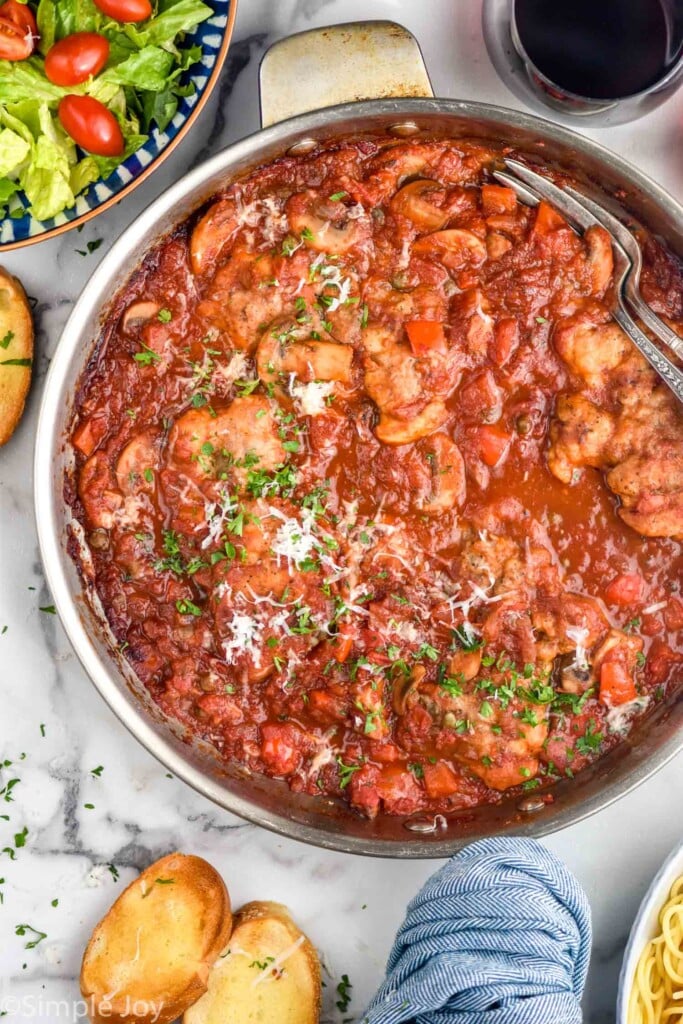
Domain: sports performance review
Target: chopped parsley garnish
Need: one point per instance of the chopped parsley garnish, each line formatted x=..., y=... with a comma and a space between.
x=4, y=342
x=146, y=356
x=346, y=772
x=246, y=387
x=164, y=316
x=186, y=607
x=591, y=740
x=174, y=562
x=465, y=638
x=281, y=481
x=336, y=196
x=426, y=650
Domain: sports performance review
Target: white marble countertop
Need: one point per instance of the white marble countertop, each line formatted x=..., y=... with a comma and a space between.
x=349, y=905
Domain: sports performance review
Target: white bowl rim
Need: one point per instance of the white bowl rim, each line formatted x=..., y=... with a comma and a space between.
x=644, y=925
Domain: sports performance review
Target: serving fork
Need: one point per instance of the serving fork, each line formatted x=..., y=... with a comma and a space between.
x=582, y=213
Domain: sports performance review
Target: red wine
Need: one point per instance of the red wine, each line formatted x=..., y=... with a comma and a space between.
x=602, y=49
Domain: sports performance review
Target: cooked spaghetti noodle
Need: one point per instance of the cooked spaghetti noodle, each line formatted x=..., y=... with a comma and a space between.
x=657, y=993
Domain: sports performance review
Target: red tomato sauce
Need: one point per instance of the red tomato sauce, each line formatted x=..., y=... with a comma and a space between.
x=379, y=500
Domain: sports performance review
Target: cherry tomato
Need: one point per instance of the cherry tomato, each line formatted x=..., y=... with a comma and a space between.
x=91, y=125
x=74, y=59
x=125, y=10
x=18, y=31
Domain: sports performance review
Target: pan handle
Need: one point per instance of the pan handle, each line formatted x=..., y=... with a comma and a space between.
x=319, y=68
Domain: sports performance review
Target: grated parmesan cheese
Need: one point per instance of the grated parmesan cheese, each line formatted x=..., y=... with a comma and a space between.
x=236, y=369
x=311, y=397
x=273, y=970
x=578, y=636
x=618, y=718
x=262, y=213
x=247, y=633
x=332, y=277
x=215, y=514
x=132, y=510
x=296, y=540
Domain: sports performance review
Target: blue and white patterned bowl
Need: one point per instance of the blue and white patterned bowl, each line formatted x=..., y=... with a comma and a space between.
x=213, y=36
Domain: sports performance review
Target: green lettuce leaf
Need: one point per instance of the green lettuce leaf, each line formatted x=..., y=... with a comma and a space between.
x=46, y=180
x=107, y=164
x=148, y=68
x=7, y=190
x=46, y=16
x=25, y=80
x=182, y=16
x=13, y=151
x=83, y=174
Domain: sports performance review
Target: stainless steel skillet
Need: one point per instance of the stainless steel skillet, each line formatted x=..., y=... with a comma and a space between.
x=297, y=75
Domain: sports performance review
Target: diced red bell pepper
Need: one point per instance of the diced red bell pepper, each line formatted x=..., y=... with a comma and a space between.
x=88, y=435
x=425, y=336
x=616, y=684
x=493, y=444
x=343, y=646
x=439, y=780
x=505, y=341
x=280, y=748
x=497, y=199
x=624, y=590
x=547, y=219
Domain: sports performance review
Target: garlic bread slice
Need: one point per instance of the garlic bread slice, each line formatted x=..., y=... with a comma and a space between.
x=16, y=353
x=149, y=957
x=269, y=973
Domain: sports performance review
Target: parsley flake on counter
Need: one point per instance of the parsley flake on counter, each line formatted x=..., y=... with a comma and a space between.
x=344, y=992
x=25, y=929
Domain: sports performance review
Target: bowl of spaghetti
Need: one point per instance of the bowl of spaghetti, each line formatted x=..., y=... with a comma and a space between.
x=651, y=980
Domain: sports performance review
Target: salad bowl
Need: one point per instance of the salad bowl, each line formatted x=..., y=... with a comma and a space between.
x=206, y=42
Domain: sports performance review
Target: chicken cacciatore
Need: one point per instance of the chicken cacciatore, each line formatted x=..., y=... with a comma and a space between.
x=378, y=498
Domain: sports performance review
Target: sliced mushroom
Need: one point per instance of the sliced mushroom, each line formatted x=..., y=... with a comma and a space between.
x=574, y=678
x=410, y=202
x=212, y=233
x=404, y=685
x=323, y=224
x=456, y=247
x=134, y=463
x=465, y=664
x=138, y=314
x=600, y=258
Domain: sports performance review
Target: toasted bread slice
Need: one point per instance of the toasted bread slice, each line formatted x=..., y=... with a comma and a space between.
x=268, y=974
x=16, y=352
x=149, y=957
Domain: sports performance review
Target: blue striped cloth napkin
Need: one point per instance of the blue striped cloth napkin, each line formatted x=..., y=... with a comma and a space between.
x=500, y=935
